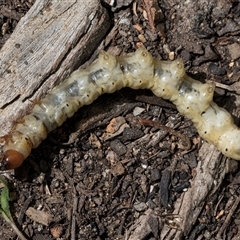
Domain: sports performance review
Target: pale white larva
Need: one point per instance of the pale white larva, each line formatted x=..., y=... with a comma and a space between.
x=108, y=74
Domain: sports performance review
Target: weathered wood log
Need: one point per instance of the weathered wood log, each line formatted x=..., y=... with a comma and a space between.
x=49, y=42
x=209, y=174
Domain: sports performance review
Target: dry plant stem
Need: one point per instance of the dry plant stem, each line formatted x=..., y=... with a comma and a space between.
x=23, y=209
x=228, y=218
x=73, y=225
x=185, y=140
x=14, y=227
x=217, y=205
x=235, y=87
x=155, y=101
x=149, y=14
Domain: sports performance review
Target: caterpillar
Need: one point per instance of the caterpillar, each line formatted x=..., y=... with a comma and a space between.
x=138, y=70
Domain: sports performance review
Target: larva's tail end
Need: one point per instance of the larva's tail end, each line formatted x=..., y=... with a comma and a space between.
x=11, y=159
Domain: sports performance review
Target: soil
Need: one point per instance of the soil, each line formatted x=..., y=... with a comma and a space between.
x=85, y=184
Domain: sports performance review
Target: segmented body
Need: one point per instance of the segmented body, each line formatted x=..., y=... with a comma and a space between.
x=108, y=74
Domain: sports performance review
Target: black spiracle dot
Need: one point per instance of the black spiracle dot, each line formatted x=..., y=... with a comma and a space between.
x=163, y=90
x=87, y=95
x=226, y=149
x=205, y=132
x=187, y=107
x=36, y=117
x=67, y=104
x=113, y=83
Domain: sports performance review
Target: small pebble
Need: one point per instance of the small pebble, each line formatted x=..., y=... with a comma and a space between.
x=137, y=111
x=155, y=174
x=234, y=50
x=131, y=134
x=216, y=70
x=140, y=206
x=118, y=147
x=171, y=56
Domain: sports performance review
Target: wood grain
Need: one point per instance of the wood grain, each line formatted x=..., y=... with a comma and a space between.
x=50, y=41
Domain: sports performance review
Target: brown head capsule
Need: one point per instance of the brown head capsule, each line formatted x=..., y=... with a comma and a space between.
x=12, y=159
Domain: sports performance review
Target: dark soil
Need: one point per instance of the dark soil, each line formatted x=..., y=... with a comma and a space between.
x=99, y=189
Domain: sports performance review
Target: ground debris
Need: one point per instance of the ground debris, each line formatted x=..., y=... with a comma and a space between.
x=128, y=166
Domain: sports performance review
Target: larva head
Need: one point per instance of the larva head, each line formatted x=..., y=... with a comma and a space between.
x=143, y=57
x=11, y=159
x=107, y=60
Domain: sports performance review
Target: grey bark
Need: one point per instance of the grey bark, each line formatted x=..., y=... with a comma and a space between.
x=49, y=42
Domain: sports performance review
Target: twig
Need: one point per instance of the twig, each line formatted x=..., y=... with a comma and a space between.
x=235, y=87
x=23, y=209
x=14, y=227
x=156, y=101
x=73, y=225
x=149, y=14
x=185, y=139
x=228, y=218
